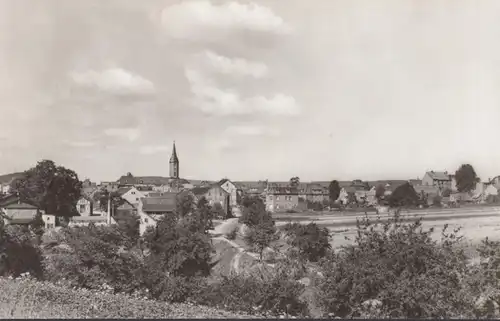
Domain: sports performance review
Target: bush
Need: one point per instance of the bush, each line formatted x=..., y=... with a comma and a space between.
x=400, y=267
x=19, y=252
x=311, y=241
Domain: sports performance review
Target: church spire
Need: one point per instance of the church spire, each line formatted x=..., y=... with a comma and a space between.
x=174, y=164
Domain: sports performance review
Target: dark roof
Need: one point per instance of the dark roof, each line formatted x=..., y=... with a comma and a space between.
x=20, y=213
x=165, y=203
x=201, y=190
x=89, y=218
x=283, y=190
x=9, y=199
x=174, y=158
x=150, y=180
x=123, y=190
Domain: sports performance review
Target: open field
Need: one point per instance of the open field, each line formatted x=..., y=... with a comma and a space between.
x=476, y=222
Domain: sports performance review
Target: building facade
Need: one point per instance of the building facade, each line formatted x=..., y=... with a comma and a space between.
x=282, y=199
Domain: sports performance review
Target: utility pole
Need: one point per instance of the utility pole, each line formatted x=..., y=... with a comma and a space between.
x=109, y=210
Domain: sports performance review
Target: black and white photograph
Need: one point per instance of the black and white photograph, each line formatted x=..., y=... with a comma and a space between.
x=249, y=159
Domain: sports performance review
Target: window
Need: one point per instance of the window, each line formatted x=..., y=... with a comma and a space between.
x=145, y=220
x=133, y=193
x=277, y=198
x=137, y=199
x=270, y=197
x=82, y=208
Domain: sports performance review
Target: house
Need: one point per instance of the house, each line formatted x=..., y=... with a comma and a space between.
x=314, y=193
x=18, y=213
x=85, y=206
x=49, y=220
x=442, y=180
x=131, y=194
x=349, y=193
x=461, y=197
x=282, y=199
x=110, y=187
x=86, y=220
x=213, y=194
x=231, y=189
x=125, y=209
x=88, y=187
x=152, y=209
x=427, y=191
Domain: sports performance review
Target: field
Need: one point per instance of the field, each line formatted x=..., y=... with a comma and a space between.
x=476, y=223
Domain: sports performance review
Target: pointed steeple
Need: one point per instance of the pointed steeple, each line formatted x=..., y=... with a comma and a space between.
x=173, y=158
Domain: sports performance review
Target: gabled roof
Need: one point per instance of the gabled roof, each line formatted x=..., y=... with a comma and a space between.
x=8, y=178
x=123, y=190
x=165, y=203
x=283, y=190
x=21, y=206
x=150, y=180
x=224, y=180
x=202, y=190
x=440, y=176
x=20, y=213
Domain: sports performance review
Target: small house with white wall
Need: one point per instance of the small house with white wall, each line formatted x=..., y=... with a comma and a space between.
x=152, y=209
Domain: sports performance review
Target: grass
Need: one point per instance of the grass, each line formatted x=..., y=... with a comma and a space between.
x=24, y=298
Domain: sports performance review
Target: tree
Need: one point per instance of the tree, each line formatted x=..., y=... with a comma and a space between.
x=436, y=200
x=260, y=236
x=205, y=214
x=311, y=241
x=295, y=181
x=52, y=188
x=37, y=225
x=380, y=191
x=466, y=178
x=333, y=191
x=185, y=204
x=102, y=198
x=403, y=195
x=254, y=212
x=446, y=192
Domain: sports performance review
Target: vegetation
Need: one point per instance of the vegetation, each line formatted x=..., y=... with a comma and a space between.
x=403, y=196
x=333, y=191
x=295, y=181
x=52, y=188
x=466, y=178
x=379, y=191
x=311, y=241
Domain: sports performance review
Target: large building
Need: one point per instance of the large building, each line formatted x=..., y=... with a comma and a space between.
x=174, y=164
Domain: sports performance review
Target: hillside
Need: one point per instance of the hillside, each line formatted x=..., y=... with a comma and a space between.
x=7, y=178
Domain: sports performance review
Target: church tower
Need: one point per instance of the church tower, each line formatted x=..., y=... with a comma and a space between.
x=174, y=164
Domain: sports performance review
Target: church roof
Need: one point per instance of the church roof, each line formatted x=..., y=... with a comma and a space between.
x=174, y=158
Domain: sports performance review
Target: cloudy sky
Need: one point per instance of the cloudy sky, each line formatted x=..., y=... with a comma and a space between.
x=250, y=90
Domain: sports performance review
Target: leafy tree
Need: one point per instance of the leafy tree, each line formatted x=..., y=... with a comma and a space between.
x=37, y=225
x=403, y=195
x=205, y=214
x=261, y=235
x=254, y=212
x=295, y=181
x=466, y=178
x=311, y=240
x=185, y=204
x=102, y=198
x=446, y=192
x=333, y=191
x=129, y=225
x=54, y=189
x=380, y=191
x=436, y=200
x=218, y=211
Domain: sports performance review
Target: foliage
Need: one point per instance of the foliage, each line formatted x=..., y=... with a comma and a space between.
x=185, y=204
x=260, y=236
x=379, y=191
x=403, y=195
x=276, y=294
x=54, y=189
x=218, y=211
x=400, y=270
x=311, y=241
x=178, y=247
x=294, y=181
x=19, y=252
x=129, y=226
x=466, y=178
x=92, y=256
x=205, y=214
x=37, y=225
x=436, y=200
x=333, y=191
x=102, y=198
x=446, y=192
x=254, y=211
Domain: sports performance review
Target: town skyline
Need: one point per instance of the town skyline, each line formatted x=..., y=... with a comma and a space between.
x=385, y=91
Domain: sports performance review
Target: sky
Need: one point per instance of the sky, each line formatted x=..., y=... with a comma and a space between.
x=250, y=90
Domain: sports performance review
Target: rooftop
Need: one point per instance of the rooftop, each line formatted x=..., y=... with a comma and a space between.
x=165, y=203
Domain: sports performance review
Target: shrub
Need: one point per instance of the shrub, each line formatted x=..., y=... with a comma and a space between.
x=311, y=240
x=400, y=266
x=233, y=233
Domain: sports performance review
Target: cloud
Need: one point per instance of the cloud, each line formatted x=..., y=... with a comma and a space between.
x=234, y=66
x=80, y=143
x=153, y=149
x=131, y=134
x=215, y=101
x=115, y=81
x=251, y=130
x=192, y=19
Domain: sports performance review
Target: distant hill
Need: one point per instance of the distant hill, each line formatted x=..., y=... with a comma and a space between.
x=7, y=178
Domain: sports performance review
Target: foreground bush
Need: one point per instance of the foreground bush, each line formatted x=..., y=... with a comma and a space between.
x=396, y=270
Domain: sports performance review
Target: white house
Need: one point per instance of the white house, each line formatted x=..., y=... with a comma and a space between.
x=131, y=194
x=85, y=206
x=231, y=189
x=49, y=220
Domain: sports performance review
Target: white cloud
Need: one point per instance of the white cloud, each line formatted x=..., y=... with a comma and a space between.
x=153, y=149
x=80, y=143
x=130, y=133
x=251, y=130
x=234, y=66
x=116, y=81
x=215, y=101
x=192, y=19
